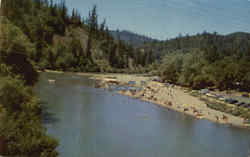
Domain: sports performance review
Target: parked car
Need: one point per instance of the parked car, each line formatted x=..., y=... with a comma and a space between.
x=245, y=95
x=221, y=98
x=211, y=95
x=204, y=91
x=231, y=101
x=240, y=104
x=166, y=84
x=157, y=79
x=245, y=105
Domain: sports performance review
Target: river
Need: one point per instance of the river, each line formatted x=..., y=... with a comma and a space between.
x=91, y=122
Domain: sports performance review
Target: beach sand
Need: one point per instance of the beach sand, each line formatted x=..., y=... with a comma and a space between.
x=172, y=97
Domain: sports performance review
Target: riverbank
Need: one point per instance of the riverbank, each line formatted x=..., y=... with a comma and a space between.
x=21, y=113
x=80, y=113
x=172, y=97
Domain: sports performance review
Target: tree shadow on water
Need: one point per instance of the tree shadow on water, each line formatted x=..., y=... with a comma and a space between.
x=48, y=117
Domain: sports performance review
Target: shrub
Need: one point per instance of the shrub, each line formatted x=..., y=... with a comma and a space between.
x=193, y=69
x=16, y=97
x=24, y=135
x=21, y=127
x=16, y=52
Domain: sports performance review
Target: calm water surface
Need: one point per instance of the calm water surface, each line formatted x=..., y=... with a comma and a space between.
x=93, y=122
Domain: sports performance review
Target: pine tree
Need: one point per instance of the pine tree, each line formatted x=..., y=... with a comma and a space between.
x=93, y=23
x=89, y=47
x=102, y=28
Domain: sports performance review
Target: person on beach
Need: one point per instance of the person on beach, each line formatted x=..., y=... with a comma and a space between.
x=217, y=118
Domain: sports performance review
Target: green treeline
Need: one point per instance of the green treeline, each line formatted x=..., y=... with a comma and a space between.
x=66, y=41
x=204, y=60
x=41, y=34
x=22, y=130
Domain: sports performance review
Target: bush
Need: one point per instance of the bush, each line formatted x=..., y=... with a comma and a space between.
x=16, y=97
x=16, y=52
x=193, y=69
x=24, y=135
x=21, y=127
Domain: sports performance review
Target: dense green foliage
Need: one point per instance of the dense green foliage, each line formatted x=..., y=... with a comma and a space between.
x=195, y=70
x=198, y=61
x=235, y=43
x=22, y=129
x=206, y=60
x=21, y=121
x=17, y=51
x=63, y=41
x=68, y=42
x=39, y=34
x=42, y=34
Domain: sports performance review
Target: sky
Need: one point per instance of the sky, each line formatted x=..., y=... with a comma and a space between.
x=164, y=19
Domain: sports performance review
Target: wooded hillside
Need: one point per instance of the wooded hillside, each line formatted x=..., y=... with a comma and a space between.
x=204, y=60
x=67, y=41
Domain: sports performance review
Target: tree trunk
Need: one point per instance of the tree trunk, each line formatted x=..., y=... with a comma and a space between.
x=1, y=145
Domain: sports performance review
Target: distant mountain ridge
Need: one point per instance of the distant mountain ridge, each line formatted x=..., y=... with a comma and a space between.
x=233, y=42
x=132, y=38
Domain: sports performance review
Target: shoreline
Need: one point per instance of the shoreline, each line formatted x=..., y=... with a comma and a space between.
x=231, y=121
x=172, y=97
x=187, y=113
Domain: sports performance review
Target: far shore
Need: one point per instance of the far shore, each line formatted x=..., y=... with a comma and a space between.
x=172, y=97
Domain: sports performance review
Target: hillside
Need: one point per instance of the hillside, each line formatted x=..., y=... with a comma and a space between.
x=131, y=38
x=236, y=42
x=66, y=41
x=204, y=60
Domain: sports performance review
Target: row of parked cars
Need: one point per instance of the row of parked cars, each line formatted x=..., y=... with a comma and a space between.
x=227, y=100
x=218, y=97
x=238, y=103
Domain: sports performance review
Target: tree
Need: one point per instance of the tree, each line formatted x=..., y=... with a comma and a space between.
x=102, y=29
x=93, y=28
x=93, y=22
x=89, y=47
x=16, y=51
x=22, y=129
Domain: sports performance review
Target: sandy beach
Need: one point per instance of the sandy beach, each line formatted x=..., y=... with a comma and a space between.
x=172, y=97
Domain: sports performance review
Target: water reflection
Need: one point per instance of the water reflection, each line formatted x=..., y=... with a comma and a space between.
x=98, y=123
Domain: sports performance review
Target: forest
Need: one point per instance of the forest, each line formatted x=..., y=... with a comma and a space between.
x=40, y=34
x=22, y=132
x=66, y=41
x=61, y=40
x=204, y=60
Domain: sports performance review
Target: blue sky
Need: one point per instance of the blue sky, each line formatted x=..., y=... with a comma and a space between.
x=164, y=19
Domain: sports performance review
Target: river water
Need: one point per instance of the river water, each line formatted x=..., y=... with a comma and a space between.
x=91, y=122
